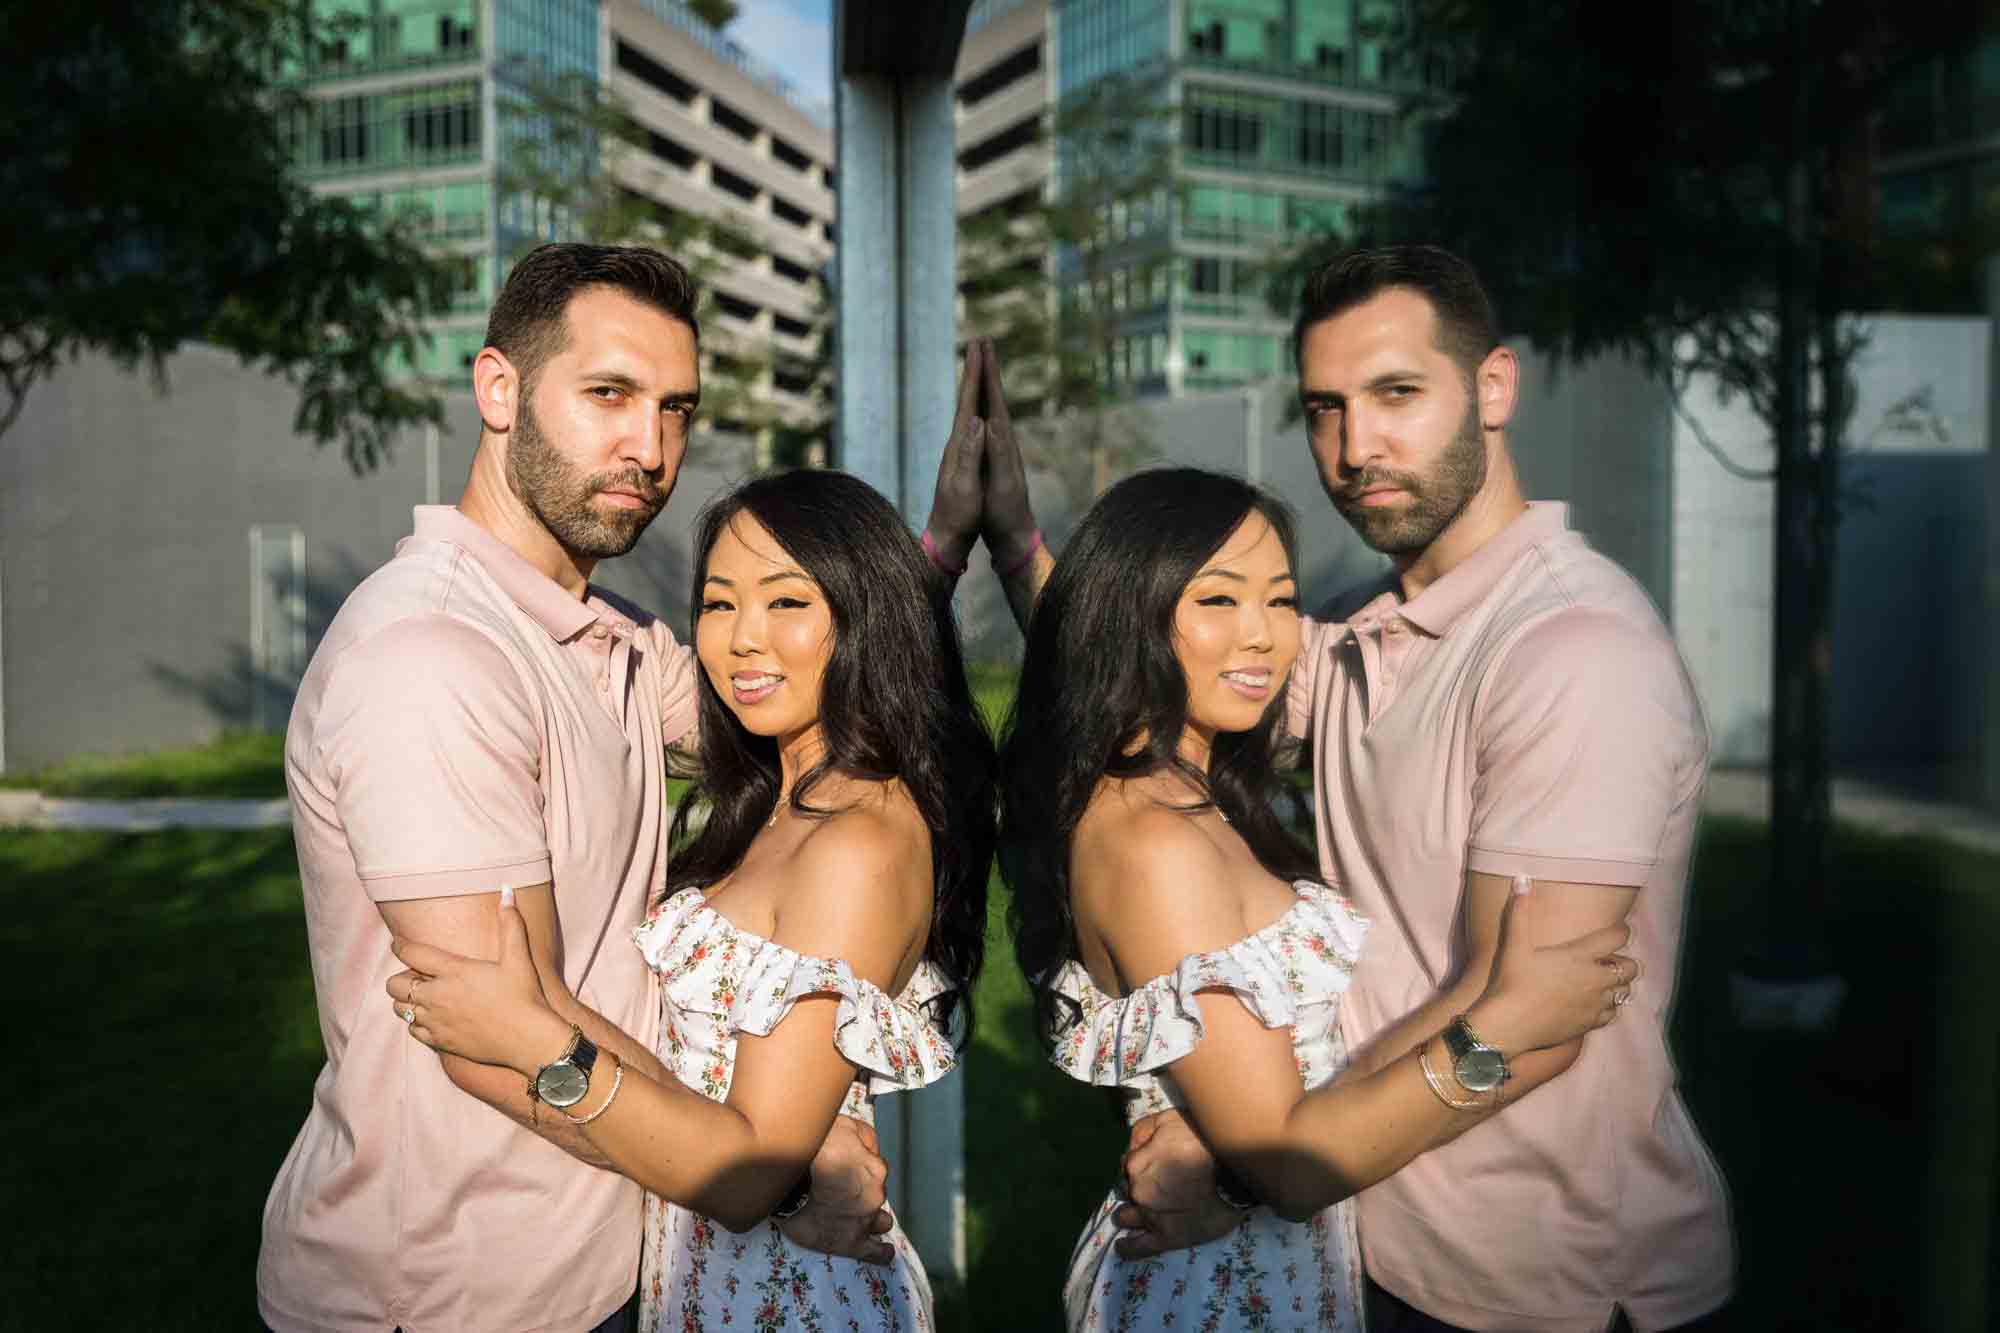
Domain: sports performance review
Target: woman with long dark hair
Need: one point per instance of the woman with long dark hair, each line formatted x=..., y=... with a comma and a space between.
x=1180, y=944
x=819, y=931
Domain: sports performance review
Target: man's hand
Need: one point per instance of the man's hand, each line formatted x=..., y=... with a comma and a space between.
x=1007, y=520
x=845, y=1213
x=1170, y=1180
x=958, y=503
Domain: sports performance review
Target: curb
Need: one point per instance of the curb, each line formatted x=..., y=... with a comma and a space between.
x=32, y=810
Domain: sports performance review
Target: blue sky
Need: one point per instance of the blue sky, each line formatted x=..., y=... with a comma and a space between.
x=795, y=37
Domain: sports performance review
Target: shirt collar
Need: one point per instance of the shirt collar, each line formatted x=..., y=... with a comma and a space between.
x=1438, y=607
x=560, y=614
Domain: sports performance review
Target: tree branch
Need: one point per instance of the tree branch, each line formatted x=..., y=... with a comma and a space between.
x=1715, y=450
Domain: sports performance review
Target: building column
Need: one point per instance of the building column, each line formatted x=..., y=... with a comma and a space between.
x=1989, y=750
x=895, y=288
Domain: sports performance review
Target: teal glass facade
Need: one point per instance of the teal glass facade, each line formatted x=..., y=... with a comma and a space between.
x=420, y=136
x=1285, y=121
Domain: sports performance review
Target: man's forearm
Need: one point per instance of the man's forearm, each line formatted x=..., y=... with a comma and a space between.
x=507, y=1092
x=1024, y=585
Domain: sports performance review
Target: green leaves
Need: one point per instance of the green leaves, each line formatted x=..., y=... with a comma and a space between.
x=153, y=204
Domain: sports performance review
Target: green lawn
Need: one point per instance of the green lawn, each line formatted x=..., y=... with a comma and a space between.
x=241, y=764
x=163, y=978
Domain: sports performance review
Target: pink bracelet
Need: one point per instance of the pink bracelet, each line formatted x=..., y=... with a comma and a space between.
x=1034, y=544
x=929, y=543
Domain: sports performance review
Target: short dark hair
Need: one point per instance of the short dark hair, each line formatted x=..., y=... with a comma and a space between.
x=527, y=321
x=1466, y=327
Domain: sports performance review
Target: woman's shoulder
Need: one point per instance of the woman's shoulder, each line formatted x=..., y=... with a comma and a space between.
x=871, y=853
x=872, y=818
x=1135, y=851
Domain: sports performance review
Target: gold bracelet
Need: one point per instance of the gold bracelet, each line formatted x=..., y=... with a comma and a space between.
x=617, y=1078
x=1437, y=1084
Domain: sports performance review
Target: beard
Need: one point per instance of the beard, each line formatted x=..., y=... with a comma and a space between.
x=559, y=494
x=1436, y=499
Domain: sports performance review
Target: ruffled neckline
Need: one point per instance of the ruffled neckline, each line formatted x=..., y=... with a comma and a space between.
x=745, y=982
x=1305, y=958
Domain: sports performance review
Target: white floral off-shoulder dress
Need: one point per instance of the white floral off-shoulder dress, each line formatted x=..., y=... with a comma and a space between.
x=1268, y=1273
x=717, y=981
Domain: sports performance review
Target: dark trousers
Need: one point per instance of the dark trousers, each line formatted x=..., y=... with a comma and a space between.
x=1390, y=1313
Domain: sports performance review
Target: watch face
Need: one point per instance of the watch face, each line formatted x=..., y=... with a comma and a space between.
x=1481, y=1069
x=562, y=1084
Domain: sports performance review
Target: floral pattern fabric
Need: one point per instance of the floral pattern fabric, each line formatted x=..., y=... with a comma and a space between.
x=717, y=981
x=1267, y=1274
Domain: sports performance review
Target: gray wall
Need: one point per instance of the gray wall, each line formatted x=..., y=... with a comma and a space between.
x=1596, y=436
x=125, y=580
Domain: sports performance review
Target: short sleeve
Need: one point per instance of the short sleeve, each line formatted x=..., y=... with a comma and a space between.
x=1304, y=958
x=1316, y=639
x=680, y=692
x=1588, y=737
x=430, y=741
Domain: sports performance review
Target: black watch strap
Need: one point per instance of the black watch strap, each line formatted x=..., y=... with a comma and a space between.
x=796, y=1198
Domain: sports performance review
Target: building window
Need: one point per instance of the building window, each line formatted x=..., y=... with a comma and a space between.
x=727, y=117
x=996, y=146
x=735, y=308
x=731, y=183
x=654, y=75
x=785, y=212
x=668, y=151
x=997, y=76
x=789, y=155
x=785, y=268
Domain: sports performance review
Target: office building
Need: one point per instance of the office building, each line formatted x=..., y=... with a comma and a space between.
x=417, y=110
x=1937, y=173
x=1286, y=119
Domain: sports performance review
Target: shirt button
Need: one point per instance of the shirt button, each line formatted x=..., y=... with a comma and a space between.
x=1395, y=627
x=598, y=631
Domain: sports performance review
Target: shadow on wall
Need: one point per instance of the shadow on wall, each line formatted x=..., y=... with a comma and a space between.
x=255, y=690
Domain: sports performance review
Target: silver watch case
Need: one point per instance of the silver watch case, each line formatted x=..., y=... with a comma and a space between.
x=567, y=1081
x=1477, y=1066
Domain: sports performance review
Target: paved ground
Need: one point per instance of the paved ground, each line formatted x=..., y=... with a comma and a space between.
x=1737, y=792
x=1747, y=793
x=27, y=809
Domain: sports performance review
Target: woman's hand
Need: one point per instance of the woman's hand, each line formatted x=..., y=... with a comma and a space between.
x=1541, y=997
x=490, y=1013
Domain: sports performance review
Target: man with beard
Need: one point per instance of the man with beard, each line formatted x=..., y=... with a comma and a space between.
x=479, y=717
x=1504, y=704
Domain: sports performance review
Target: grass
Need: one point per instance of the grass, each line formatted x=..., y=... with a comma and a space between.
x=1860, y=1163
x=166, y=975
x=240, y=764
x=162, y=981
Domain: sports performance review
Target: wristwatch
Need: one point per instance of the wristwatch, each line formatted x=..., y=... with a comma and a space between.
x=565, y=1080
x=1477, y=1066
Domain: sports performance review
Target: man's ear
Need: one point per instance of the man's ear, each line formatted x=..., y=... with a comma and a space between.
x=1497, y=383
x=496, y=388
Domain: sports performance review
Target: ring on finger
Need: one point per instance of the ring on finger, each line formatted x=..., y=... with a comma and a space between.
x=407, y=1013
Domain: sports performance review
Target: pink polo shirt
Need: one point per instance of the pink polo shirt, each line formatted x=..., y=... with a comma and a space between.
x=1526, y=713
x=465, y=725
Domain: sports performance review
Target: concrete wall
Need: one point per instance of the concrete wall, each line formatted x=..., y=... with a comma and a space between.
x=1595, y=436
x=125, y=572
x=1909, y=657
x=126, y=589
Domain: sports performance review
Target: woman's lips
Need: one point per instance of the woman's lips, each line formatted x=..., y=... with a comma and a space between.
x=754, y=689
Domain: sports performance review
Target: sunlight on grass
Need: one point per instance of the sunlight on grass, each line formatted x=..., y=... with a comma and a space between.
x=247, y=764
